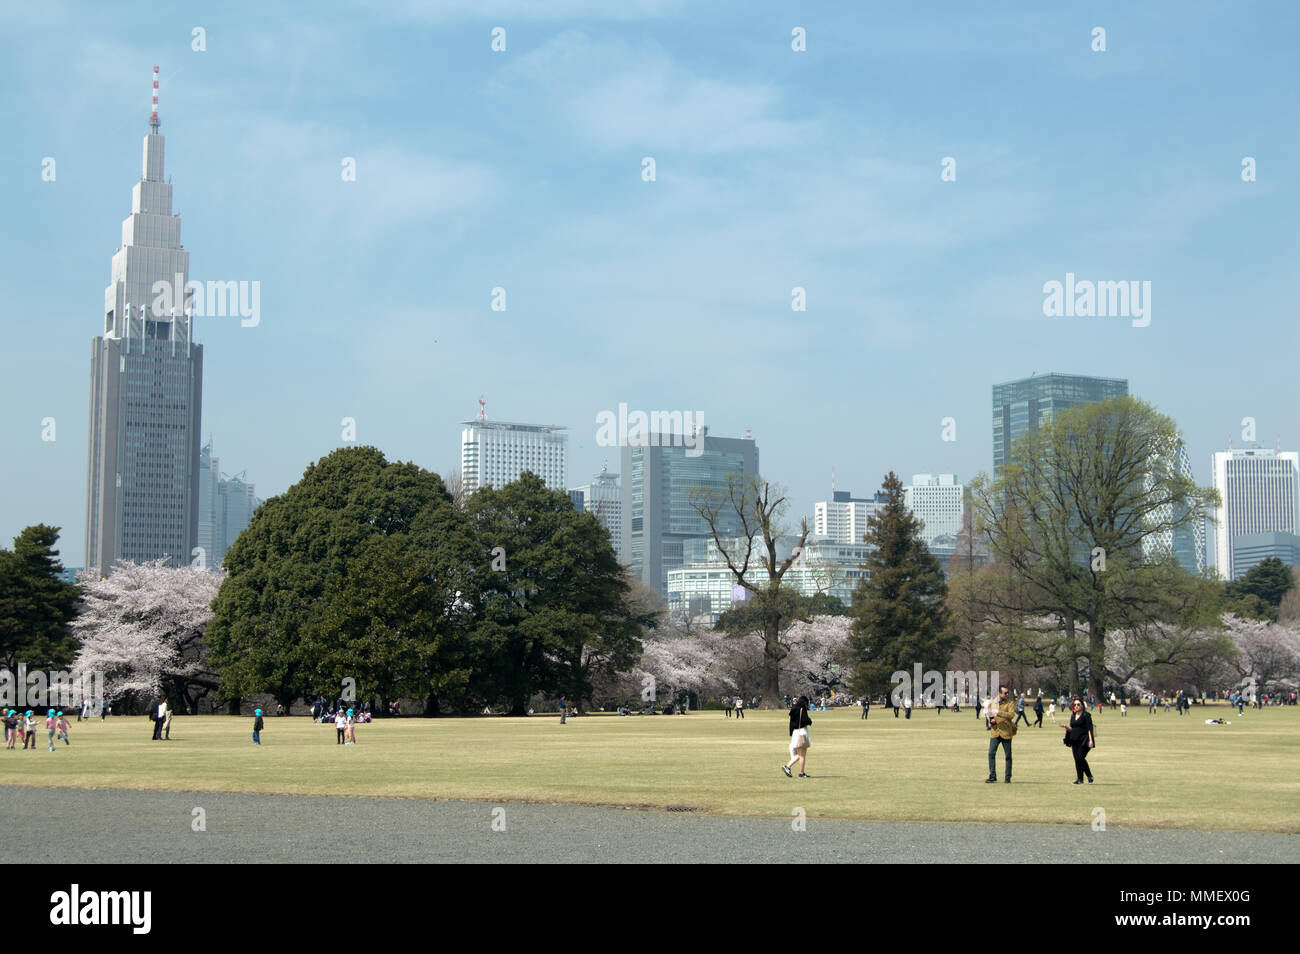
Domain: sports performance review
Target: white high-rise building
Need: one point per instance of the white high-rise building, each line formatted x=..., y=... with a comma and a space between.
x=603, y=497
x=1260, y=493
x=937, y=503
x=495, y=453
x=703, y=587
x=843, y=518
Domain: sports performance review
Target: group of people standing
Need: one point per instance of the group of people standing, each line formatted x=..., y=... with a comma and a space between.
x=161, y=715
x=345, y=725
x=21, y=727
x=1003, y=715
x=734, y=704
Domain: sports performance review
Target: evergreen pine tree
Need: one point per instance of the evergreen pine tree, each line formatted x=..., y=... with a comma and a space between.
x=898, y=611
x=36, y=604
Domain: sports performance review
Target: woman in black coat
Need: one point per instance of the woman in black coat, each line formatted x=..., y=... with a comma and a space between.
x=1079, y=737
x=799, y=740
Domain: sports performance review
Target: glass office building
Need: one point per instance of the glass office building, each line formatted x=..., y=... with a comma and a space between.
x=658, y=517
x=1020, y=406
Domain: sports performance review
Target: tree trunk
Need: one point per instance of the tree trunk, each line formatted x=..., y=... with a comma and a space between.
x=771, y=662
x=1096, y=659
x=431, y=706
x=1071, y=642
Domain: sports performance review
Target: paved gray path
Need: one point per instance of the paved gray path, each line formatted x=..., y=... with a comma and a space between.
x=69, y=825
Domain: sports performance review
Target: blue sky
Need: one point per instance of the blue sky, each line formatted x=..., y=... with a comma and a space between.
x=775, y=169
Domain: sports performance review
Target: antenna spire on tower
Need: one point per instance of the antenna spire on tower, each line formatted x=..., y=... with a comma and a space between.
x=482, y=408
x=153, y=117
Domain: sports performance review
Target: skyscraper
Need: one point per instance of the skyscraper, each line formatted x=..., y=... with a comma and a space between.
x=226, y=506
x=603, y=498
x=1020, y=406
x=937, y=503
x=146, y=384
x=657, y=511
x=1187, y=543
x=843, y=518
x=1259, y=490
x=495, y=453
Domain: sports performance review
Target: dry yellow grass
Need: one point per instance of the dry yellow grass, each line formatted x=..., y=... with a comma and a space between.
x=1154, y=771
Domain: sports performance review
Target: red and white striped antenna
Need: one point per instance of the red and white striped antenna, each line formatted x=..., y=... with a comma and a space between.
x=482, y=408
x=153, y=117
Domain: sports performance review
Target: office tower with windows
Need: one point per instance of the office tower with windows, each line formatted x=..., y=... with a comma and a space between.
x=1021, y=406
x=659, y=517
x=226, y=506
x=1259, y=490
x=603, y=498
x=146, y=384
x=495, y=453
x=1186, y=543
x=843, y=518
x=937, y=503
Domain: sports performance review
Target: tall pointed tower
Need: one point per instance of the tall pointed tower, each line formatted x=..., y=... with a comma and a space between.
x=146, y=386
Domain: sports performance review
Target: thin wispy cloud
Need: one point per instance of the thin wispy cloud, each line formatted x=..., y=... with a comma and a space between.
x=619, y=95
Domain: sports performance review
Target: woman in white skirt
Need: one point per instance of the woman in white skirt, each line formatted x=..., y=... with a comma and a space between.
x=799, y=739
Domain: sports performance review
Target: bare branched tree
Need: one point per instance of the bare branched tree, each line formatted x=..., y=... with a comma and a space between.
x=756, y=509
x=455, y=485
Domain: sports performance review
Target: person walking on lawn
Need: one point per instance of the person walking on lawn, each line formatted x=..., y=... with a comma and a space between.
x=799, y=738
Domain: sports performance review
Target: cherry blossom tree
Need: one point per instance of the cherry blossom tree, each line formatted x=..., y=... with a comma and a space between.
x=676, y=658
x=1270, y=652
x=816, y=648
x=142, y=627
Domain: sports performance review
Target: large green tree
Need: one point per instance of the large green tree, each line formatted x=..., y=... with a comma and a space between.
x=1080, y=519
x=1260, y=590
x=555, y=608
x=36, y=605
x=898, y=611
x=361, y=571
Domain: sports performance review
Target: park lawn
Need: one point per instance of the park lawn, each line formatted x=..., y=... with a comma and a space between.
x=1153, y=771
